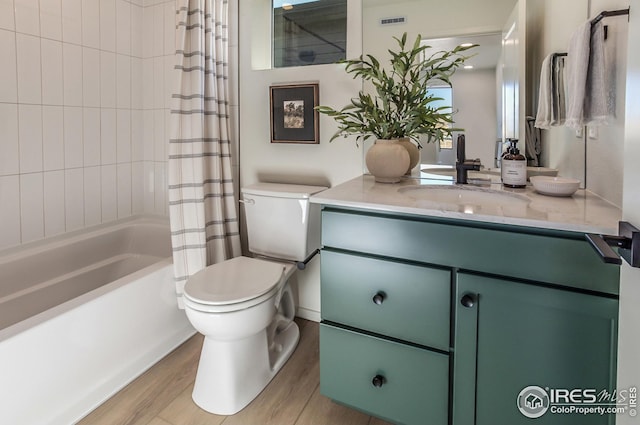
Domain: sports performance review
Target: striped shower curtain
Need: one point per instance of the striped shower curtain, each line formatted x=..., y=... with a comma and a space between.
x=202, y=208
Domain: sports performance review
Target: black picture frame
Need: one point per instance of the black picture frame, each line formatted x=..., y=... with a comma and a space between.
x=294, y=118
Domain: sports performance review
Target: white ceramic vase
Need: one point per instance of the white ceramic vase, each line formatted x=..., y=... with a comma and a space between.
x=387, y=160
x=414, y=152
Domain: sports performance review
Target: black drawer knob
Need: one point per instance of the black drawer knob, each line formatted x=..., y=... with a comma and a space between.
x=378, y=381
x=379, y=298
x=468, y=300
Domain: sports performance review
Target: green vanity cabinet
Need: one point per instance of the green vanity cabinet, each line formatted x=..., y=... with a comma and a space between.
x=432, y=321
x=511, y=335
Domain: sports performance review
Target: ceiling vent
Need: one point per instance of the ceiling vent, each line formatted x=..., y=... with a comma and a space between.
x=393, y=21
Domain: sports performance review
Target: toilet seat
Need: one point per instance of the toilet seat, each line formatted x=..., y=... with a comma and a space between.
x=234, y=284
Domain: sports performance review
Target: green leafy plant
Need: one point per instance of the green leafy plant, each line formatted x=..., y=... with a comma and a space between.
x=400, y=105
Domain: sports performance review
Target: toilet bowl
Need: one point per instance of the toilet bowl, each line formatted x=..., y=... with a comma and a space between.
x=244, y=307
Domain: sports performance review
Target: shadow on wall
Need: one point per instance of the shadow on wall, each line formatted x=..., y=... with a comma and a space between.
x=292, y=177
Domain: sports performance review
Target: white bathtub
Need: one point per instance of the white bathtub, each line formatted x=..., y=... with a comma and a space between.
x=83, y=315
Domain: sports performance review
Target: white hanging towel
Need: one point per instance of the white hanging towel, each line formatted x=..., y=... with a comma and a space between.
x=552, y=108
x=590, y=99
x=599, y=100
x=545, y=95
x=576, y=78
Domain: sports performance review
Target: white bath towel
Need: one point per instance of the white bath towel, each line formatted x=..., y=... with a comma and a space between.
x=551, y=93
x=576, y=78
x=590, y=94
x=598, y=102
x=545, y=96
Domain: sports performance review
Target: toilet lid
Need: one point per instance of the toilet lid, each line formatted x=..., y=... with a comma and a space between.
x=233, y=281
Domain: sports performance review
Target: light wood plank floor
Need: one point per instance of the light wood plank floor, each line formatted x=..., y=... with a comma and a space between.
x=162, y=395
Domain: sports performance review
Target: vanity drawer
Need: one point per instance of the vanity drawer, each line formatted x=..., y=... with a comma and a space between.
x=555, y=257
x=401, y=300
x=414, y=382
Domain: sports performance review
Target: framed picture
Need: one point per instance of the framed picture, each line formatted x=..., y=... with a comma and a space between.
x=293, y=115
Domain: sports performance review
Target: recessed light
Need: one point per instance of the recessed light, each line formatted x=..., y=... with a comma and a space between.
x=287, y=6
x=466, y=45
x=468, y=67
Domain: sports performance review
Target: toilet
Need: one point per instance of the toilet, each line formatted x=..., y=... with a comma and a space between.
x=244, y=306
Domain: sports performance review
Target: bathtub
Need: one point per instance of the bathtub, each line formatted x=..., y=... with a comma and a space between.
x=81, y=316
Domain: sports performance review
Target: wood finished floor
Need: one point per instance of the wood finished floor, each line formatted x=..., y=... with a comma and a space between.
x=162, y=395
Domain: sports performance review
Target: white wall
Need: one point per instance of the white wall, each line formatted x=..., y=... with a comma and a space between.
x=83, y=110
x=443, y=19
x=474, y=99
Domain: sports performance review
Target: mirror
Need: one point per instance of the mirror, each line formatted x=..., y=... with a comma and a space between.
x=548, y=28
x=476, y=94
x=475, y=98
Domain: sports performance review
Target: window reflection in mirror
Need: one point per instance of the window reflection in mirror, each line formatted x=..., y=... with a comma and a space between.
x=444, y=97
x=474, y=97
x=308, y=32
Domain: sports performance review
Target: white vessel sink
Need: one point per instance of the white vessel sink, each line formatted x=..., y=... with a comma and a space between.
x=467, y=199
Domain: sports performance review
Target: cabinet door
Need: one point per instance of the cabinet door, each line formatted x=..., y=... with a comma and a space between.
x=510, y=335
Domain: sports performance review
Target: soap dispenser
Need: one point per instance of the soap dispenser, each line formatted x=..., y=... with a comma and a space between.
x=514, y=166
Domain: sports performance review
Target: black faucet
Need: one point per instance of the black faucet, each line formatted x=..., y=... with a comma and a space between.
x=462, y=164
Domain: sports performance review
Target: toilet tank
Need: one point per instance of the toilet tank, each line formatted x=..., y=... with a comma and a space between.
x=281, y=222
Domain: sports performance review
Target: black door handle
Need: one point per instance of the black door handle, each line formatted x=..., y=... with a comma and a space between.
x=628, y=244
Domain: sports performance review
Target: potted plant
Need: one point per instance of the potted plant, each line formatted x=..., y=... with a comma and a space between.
x=400, y=107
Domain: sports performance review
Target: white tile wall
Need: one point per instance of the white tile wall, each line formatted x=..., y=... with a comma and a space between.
x=92, y=196
x=109, y=192
x=91, y=23
x=108, y=136
x=73, y=149
x=51, y=19
x=10, y=210
x=27, y=16
x=72, y=21
x=52, y=78
x=53, y=138
x=90, y=77
x=8, y=78
x=123, y=172
x=91, y=136
x=74, y=198
x=7, y=20
x=31, y=207
x=9, y=150
x=30, y=137
x=123, y=27
x=28, y=68
x=72, y=72
x=85, y=90
x=54, y=207
x=108, y=25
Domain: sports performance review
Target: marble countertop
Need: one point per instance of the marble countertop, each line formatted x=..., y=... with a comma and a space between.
x=582, y=212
